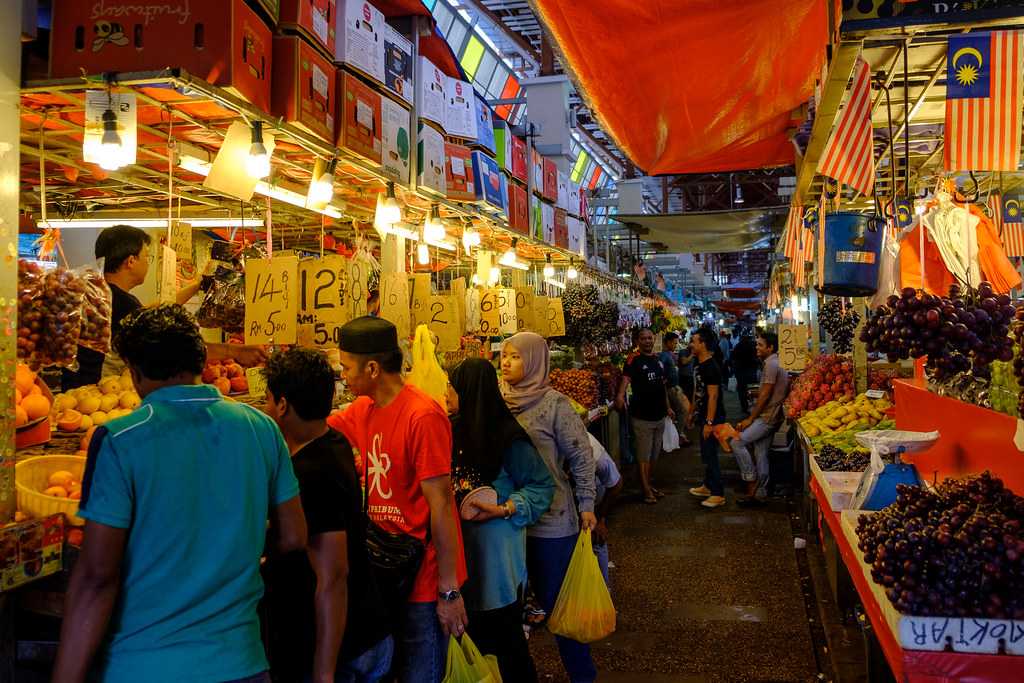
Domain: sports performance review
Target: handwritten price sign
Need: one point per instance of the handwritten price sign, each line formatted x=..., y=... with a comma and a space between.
x=271, y=300
x=420, y=299
x=441, y=320
x=394, y=302
x=257, y=383
x=555, y=318
x=524, y=309
x=490, y=316
x=793, y=347
x=355, y=294
x=508, y=316
x=459, y=292
x=322, y=288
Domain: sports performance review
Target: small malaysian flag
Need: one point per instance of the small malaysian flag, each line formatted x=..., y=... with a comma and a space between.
x=1008, y=221
x=849, y=154
x=791, y=234
x=983, y=101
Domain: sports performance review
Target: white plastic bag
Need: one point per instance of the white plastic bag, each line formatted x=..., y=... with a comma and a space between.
x=884, y=442
x=670, y=439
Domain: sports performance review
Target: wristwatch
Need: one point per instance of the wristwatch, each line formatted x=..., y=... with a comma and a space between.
x=710, y=422
x=449, y=596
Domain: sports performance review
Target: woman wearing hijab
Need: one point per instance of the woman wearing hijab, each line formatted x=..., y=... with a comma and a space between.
x=560, y=437
x=491, y=449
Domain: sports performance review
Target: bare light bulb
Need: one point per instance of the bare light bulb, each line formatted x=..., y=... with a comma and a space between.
x=423, y=254
x=111, y=151
x=257, y=163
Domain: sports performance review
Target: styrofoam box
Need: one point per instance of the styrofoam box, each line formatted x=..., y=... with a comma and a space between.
x=485, y=126
x=537, y=224
x=430, y=82
x=838, y=487
x=459, y=109
x=396, y=152
x=537, y=168
x=577, y=236
x=430, y=150
x=359, y=41
x=563, y=191
x=976, y=635
x=547, y=217
x=574, y=198
x=398, y=64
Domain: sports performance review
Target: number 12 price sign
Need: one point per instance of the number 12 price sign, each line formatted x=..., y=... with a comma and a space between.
x=271, y=300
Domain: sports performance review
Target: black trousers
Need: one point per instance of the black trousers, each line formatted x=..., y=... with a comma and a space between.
x=499, y=632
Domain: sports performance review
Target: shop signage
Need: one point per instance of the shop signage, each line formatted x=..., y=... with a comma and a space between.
x=271, y=300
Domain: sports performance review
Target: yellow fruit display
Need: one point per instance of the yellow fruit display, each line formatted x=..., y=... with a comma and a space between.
x=109, y=401
x=130, y=400
x=113, y=397
x=99, y=418
x=110, y=385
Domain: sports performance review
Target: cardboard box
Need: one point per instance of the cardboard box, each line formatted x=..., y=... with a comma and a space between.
x=577, y=236
x=396, y=154
x=537, y=169
x=459, y=109
x=360, y=127
x=30, y=550
x=503, y=145
x=359, y=42
x=316, y=20
x=518, y=158
x=458, y=172
x=518, y=218
x=430, y=82
x=488, y=180
x=563, y=191
x=574, y=199
x=398, y=64
x=225, y=42
x=305, y=86
x=561, y=228
x=546, y=214
x=430, y=160
x=485, y=126
x=550, y=185
x=270, y=8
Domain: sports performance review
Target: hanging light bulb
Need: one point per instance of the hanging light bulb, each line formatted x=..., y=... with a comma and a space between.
x=495, y=276
x=423, y=254
x=572, y=273
x=392, y=210
x=476, y=279
x=257, y=164
x=470, y=239
x=549, y=268
x=321, y=189
x=379, y=225
x=509, y=257
x=433, y=228
x=111, y=150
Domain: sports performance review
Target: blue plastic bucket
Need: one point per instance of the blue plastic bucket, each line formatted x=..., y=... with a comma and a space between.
x=853, y=247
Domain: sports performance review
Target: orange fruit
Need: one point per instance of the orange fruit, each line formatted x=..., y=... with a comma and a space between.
x=20, y=417
x=36, y=406
x=17, y=396
x=35, y=391
x=24, y=378
x=69, y=421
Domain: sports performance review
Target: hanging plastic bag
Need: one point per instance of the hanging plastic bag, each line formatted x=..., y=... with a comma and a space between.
x=670, y=437
x=481, y=666
x=426, y=374
x=458, y=668
x=583, y=611
x=97, y=311
x=224, y=303
x=49, y=316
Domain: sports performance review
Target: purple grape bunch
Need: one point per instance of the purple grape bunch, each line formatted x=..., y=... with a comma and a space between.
x=956, y=550
x=965, y=331
x=840, y=321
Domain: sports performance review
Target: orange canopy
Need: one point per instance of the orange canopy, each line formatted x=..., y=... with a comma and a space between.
x=695, y=85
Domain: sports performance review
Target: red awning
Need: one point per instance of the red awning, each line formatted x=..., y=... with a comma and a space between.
x=694, y=86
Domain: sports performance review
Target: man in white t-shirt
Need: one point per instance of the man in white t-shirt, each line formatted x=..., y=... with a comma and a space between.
x=765, y=417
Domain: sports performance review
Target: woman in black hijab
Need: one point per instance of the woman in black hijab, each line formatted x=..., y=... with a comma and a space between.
x=502, y=486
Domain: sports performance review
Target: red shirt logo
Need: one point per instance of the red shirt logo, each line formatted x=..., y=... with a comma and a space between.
x=366, y=12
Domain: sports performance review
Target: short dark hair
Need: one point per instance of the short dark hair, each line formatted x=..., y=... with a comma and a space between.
x=305, y=379
x=161, y=342
x=116, y=243
x=770, y=338
x=669, y=337
x=707, y=337
x=389, y=361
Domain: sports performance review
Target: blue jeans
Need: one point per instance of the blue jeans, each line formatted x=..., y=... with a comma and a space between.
x=757, y=435
x=548, y=560
x=369, y=667
x=424, y=647
x=602, y=561
x=712, y=469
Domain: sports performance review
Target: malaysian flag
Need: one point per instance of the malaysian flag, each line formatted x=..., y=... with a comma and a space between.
x=1008, y=222
x=849, y=153
x=791, y=235
x=983, y=101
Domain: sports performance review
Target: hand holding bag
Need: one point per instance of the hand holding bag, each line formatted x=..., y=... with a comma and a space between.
x=583, y=611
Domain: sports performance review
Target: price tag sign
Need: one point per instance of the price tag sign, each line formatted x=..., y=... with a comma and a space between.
x=257, y=383
x=168, y=274
x=441, y=321
x=524, y=308
x=355, y=293
x=459, y=292
x=490, y=317
x=540, y=315
x=304, y=332
x=420, y=299
x=271, y=300
x=473, y=310
x=508, y=317
x=322, y=288
x=793, y=347
x=555, y=318
x=181, y=240
x=394, y=302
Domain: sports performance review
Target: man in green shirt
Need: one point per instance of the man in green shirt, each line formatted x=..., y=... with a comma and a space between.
x=176, y=498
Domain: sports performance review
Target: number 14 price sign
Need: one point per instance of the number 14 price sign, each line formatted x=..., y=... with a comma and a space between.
x=271, y=300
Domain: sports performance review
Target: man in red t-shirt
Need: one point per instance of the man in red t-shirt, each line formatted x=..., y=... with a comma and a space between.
x=404, y=440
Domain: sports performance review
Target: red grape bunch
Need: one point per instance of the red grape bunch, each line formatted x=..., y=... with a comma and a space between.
x=956, y=550
x=965, y=331
x=840, y=321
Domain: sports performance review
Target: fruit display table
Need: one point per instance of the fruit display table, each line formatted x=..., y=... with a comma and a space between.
x=907, y=666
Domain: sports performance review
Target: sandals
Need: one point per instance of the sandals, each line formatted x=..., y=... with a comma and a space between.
x=650, y=500
x=657, y=493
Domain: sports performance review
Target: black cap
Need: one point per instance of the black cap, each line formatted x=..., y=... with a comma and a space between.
x=368, y=335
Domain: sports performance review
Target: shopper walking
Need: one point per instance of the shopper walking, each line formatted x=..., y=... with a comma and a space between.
x=490, y=448
x=648, y=407
x=404, y=440
x=176, y=498
x=560, y=438
x=725, y=358
x=324, y=617
x=678, y=399
x=744, y=364
x=709, y=408
x=757, y=429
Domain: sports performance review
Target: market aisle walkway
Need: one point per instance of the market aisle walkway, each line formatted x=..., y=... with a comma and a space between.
x=708, y=596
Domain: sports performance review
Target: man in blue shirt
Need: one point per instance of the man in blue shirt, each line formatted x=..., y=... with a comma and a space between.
x=176, y=498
